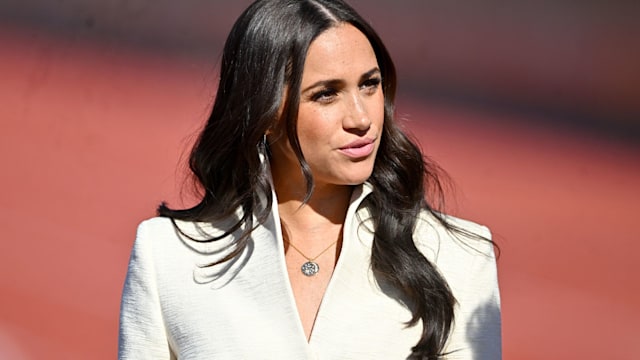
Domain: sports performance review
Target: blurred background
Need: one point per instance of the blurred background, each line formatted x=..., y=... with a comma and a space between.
x=533, y=107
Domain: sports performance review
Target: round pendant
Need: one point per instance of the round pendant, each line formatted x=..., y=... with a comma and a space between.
x=310, y=268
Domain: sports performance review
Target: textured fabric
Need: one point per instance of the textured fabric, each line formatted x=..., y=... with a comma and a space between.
x=245, y=309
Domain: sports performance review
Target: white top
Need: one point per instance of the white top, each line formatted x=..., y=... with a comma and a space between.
x=245, y=309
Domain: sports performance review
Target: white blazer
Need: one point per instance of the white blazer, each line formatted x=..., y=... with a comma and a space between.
x=244, y=309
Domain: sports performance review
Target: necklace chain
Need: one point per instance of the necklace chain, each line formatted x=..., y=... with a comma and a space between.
x=315, y=257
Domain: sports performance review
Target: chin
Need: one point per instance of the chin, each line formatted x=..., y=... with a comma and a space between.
x=357, y=179
x=361, y=175
x=352, y=174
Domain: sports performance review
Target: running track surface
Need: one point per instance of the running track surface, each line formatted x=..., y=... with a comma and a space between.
x=91, y=140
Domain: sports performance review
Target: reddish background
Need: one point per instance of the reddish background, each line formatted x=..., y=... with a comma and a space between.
x=531, y=107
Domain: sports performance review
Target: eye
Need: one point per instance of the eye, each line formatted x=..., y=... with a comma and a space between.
x=371, y=85
x=324, y=95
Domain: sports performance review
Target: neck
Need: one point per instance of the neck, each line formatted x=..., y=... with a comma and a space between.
x=326, y=209
x=327, y=205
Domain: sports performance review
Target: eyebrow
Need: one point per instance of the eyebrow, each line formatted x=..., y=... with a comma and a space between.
x=337, y=82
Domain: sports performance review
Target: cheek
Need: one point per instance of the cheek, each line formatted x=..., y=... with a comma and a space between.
x=377, y=113
x=315, y=126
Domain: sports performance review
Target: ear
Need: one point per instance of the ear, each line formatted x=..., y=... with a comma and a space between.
x=277, y=130
x=274, y=134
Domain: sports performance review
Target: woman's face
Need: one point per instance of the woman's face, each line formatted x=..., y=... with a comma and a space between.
x=341, y=111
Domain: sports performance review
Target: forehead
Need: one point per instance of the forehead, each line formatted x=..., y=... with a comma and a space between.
x=338, y=52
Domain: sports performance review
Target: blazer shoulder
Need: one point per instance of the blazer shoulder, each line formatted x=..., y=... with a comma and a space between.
x=462, y=236
x=164, y=226
x=193, y=242
x=459, y=229
x=154, y=225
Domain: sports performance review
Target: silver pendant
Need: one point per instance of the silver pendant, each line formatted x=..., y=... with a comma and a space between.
x=310, y=268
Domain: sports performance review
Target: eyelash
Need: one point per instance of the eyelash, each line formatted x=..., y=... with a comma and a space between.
x=325, y=95
x=372, y=83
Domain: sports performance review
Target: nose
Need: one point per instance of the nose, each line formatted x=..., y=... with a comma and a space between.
x=356, y=116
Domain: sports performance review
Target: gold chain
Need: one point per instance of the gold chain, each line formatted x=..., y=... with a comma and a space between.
x=317, y=256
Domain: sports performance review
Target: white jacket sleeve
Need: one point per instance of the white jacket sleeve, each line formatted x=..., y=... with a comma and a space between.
x=479, y=314
x=142, y=332
x=484, y=328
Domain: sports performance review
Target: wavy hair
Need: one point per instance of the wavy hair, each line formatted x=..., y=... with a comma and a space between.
x=265, y=53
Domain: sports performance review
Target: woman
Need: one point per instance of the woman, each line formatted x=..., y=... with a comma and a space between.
x=313, y=238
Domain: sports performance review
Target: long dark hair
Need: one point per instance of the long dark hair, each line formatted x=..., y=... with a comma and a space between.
x=264, y=54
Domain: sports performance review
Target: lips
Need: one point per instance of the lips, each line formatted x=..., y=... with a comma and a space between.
x=358, y=149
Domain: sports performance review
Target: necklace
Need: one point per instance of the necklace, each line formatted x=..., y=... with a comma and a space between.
x=311, y=267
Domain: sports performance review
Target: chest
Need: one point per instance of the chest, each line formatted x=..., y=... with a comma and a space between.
x=256, y=315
